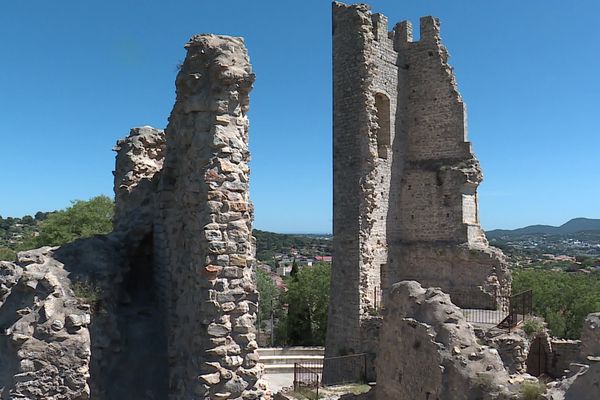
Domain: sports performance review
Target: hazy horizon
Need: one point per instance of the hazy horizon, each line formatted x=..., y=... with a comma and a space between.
x=287, y=232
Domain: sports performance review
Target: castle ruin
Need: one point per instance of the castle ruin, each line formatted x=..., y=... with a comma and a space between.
x=204, y=226
x=171, y=294
x=164, y=307
x=198, y=216
x=404, y=177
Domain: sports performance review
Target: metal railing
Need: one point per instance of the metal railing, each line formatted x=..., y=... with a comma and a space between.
x=521, y=305
x=486, y=316
x=307, y=378
x=508, y=312
x=340, y=370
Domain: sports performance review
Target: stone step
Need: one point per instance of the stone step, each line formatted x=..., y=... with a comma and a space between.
x=283, y=369
x=287, y=351
x=291, y=359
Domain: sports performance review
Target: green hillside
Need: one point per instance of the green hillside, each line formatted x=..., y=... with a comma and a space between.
x=268, y=244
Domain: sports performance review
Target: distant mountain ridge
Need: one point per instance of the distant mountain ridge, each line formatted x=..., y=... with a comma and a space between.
x=573, y=226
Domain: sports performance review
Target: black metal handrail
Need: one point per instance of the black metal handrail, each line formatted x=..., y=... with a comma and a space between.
x=521, y=305
x=352, y=368
x=306, y=377
x=507, y=312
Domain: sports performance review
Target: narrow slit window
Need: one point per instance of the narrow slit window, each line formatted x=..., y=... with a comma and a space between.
x=382, y=104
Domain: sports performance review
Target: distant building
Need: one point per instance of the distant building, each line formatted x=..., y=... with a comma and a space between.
x=284, y=270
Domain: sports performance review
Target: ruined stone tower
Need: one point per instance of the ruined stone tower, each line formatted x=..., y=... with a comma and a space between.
x=184, y=195
x=405, y=177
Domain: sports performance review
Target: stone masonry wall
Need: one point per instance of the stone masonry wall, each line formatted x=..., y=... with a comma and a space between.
x=582, y=382
x=438, y=240
x=138, y=164
x=384, y=87
x=436, y=143
x=353, y=123
x=364, y=120
x=564, y=352
x=203, y=231
x=405, y=177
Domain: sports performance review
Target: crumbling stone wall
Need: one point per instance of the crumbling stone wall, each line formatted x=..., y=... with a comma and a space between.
x=138, y=162
x=405, y=177
x=203, y=230
x=564, y=353
x=583, y=378
x=590, y=336
x=182, y=195
x=437, y=239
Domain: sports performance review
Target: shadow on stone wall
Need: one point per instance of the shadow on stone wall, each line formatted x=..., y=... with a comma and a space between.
x=129, y=354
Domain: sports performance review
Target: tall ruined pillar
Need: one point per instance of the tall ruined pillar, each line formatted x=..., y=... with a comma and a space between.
x=404, y=178
x=203, y=234
x=365, y=82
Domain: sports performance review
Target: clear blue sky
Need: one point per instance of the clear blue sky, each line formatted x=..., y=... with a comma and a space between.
x=76, y=75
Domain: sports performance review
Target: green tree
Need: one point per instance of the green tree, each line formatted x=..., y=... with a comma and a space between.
x=563, y=299
x=81, y=219
x=270, y=303
x=308, y=300
x=28, y=220
x=40, y=216
x=269, y=243
x=294, y=271
x=269, y=294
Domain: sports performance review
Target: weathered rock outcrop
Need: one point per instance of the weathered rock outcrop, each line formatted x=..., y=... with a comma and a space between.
x=584, y=384
x=47, y=301
x=45, y=344
x=590, y=336
x=427, y=350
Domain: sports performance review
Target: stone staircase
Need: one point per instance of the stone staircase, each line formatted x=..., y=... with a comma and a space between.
x=280, y=360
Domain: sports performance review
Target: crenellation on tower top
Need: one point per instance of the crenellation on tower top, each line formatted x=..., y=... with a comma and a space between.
x=380, y=26
x=403, y=35
x=429, y=29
